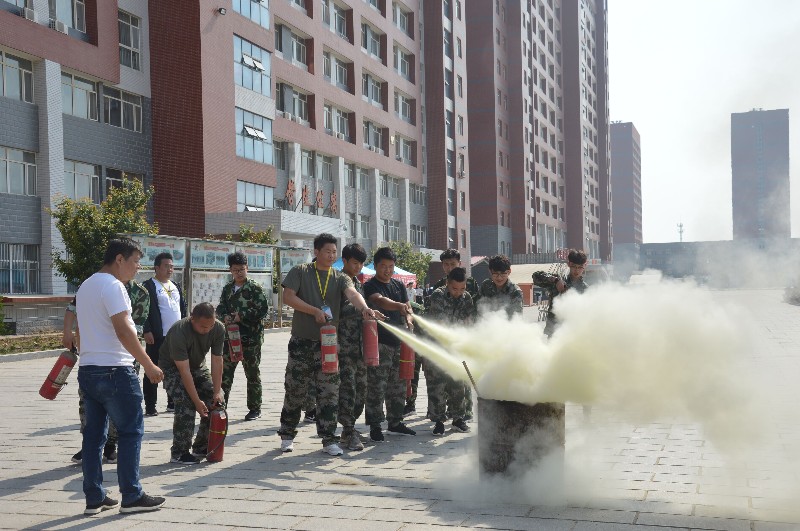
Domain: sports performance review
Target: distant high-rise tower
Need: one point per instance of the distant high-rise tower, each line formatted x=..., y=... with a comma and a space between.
x=626, y=183
x=760, y=174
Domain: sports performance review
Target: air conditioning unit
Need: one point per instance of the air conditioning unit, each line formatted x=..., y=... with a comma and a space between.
x=58, y=26
x=372, y=148
x=297, y=119
x=398, y=157
x=340, y=136
x=29, y=13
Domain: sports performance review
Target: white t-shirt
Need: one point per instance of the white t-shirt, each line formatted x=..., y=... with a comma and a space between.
x=99, y=297
x=169, y=303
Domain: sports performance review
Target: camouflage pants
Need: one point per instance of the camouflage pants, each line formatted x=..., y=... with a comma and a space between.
x=384, y=385
x=353, y=389
x=303, y=369
x=311, y=398
x=183, y=423
x=443, y=391
x=412, y=400
x=112, y=429
x=251, y=362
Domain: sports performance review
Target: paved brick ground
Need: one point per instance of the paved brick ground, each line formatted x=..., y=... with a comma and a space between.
x=655, y=476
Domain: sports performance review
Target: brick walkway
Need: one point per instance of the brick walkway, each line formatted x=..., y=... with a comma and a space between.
x=657, y=476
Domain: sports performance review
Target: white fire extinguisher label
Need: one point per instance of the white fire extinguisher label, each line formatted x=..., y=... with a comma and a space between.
x=330, y=358
x=328, y=340
x=62, y=375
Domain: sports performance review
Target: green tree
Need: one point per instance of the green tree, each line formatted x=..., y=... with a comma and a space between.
x=3, y=330
x=247, y=233
x=86, y=227
x=412, y=261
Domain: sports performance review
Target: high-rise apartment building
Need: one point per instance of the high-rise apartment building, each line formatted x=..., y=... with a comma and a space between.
x=760, y=174
x=74, y=121
x=538, y=105
x=626, y=183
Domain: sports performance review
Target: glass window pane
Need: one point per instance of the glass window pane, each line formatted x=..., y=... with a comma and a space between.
x=3, y=178
x=31, y=180
x=69, y=184
x=84, y=186
x=80, y=103
x=13, y=83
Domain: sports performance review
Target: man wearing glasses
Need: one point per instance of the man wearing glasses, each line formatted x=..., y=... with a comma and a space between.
x=244, y=302
x=558, y=284
x=498, y=292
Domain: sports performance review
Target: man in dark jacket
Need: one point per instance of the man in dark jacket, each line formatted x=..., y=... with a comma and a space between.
x=167, y=307
x=558, y=284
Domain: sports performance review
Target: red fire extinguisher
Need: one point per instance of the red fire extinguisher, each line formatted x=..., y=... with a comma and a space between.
x=57, y=378
x=329, y=349
x=234, y=343
x=407, y=360
x=369, y=333
x=217, y=430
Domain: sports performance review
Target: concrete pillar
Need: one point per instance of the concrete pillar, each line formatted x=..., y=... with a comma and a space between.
x=375, y=216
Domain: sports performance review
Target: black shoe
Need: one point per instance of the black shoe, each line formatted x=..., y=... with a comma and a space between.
x=402, y=429
x=143, y=504
x=104, y=505
x=311, y=416
x=410, y=409
x=186, y=459
x=151, y=413
x=78, y=458
x=376, y=434
x=110, y=453
x=202, y=452
x=253, y=415
x=460, y=425
x=170, y=408
x=439, y=428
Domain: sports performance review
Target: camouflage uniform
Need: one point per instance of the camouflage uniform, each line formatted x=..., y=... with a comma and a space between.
x=509, y=297
x=442, y=388
x=548, y=282
x=185, y=412
x=384, y=384
x=352, y=369
x=140, y=309
x=304, y=369
x=253, y=306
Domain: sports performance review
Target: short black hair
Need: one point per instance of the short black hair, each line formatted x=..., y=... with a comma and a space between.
x=203, y=310
x=384, y=253
x=354, y=250
x=499, y=263
x=237, y=258
x=124, y=246
x=322, y=239
x=576, y=256
x=160, y=257
x=450, y=253
x=457, y=274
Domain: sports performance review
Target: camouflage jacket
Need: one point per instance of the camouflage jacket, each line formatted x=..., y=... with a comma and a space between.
x=472, y=288
x=444, y=308
x=548, y=282
x=253, y=306
x=350, y=322
x=509, y=297
x=140, y=305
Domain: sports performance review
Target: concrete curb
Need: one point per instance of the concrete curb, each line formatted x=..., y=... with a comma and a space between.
x=24, y=356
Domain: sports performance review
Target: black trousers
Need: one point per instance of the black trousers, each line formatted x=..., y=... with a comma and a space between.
x=149, y=389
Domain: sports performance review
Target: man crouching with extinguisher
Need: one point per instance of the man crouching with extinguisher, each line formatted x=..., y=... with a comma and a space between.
x=182, y=357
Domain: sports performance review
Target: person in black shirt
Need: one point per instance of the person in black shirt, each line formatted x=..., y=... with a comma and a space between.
x=383, y=382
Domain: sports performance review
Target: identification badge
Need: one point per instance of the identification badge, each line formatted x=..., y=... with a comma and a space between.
x=327, y=311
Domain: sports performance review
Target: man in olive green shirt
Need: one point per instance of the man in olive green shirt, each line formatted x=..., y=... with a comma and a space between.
x=183, y=359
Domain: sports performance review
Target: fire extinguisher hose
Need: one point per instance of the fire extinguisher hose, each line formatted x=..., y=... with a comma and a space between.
x=224, y=433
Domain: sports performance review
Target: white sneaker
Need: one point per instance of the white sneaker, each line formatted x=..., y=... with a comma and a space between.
x=287, y=445
x=332, y=449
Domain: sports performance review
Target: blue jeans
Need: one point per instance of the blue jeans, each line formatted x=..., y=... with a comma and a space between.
x=111, y=392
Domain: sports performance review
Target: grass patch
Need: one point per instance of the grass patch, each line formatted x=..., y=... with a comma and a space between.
x=13, y=344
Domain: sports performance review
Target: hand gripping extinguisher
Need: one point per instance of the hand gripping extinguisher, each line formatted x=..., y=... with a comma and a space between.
x=217, y=430
x=234, y=342
x=369, y=334
x=329, y=349
x=57, y=378
x=407, y=366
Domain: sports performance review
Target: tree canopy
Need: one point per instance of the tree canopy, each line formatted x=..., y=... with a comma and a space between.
x=412, y=261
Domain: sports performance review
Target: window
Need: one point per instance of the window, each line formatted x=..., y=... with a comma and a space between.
x=17, y=172
x=254, y=137
x=462, y=201
x=502, y=218
x=390, y=186
x=401, y=19
x=307, y=165
x=459, y=51
x=79, y=97
x=391, y=230
x=253, y=197
x=252, y=66
x=403, y=106
x=299, y=49
x=350, y=178
x=16, y=78
x=463, y=238
x=71, y=12
x=373, y=136
x=462, y=161
x=326, y=168
x=451, y=162
x=19, y=268
x=122, y=109
x=340, y=21
x=115, y=178
x=446, y=10
x=419, y=194
x=81, y=181
x=402, y=62
x=363, y=179
x=370, y=40
x=451, y=237
x=448, y=44
x=451, y=202
x=448, y=124
x=280, y=155
x=371, y=89
x=459, y=86
x=458, y=9
x=255, y=10
x=351, y=224
x=460, y=125
x=335, y=70
x=363, y=226
x=293, y=102
x=405, y=150
x=129, y=40
x=419, y=235
x=448, y=83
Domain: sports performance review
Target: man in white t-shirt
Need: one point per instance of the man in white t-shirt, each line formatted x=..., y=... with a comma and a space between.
x=167, y=307
x=109, y=345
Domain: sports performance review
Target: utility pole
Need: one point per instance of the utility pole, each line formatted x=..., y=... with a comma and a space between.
x=680, y=231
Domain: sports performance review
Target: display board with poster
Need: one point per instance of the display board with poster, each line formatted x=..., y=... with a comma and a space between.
x=207, y=286
x=152, y=246
x=207, y=254
x=293, y=257
x=259, y=257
